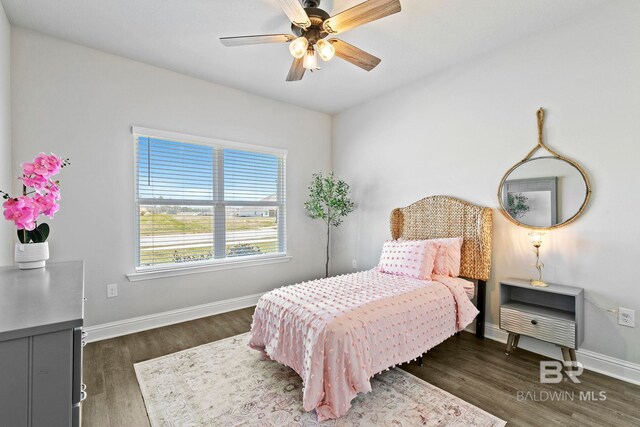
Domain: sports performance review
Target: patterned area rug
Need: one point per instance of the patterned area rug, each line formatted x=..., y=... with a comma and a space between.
x=225, y=383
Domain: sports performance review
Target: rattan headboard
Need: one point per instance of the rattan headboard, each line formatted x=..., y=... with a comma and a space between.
x=439, y=217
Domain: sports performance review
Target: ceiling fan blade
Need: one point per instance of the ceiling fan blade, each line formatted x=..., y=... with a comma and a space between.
x=360, y=14
x=296, y=13
x=296, y=72
x=259, y=39
x=356, y=56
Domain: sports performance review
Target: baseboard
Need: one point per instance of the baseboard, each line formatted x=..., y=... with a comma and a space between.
x=143, y=323
x=597, y=362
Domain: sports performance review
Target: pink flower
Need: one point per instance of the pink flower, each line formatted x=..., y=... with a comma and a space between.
x=28, y=168
x=43, y=165
x=37, y=182
x=51, y=162
x=23, y=211
x=47, y=204
x=53, y=189
x=38, y=173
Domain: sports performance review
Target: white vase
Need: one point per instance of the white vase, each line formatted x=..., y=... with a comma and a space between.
x=31, y=255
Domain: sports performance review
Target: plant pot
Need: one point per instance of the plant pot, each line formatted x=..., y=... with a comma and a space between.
x=31, y=255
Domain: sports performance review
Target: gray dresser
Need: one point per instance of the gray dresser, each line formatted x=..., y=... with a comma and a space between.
x=41, y=317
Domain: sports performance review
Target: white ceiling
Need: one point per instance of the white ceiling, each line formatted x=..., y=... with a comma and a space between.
x=182, y=35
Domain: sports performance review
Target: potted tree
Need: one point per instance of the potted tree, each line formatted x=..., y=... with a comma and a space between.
x=329, y=201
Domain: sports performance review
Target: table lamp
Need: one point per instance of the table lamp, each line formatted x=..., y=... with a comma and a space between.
x=536, y=241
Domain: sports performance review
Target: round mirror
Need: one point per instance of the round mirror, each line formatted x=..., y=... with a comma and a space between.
x=544, y=192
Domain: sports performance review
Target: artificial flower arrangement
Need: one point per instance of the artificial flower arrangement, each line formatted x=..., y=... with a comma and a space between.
x=40, y=196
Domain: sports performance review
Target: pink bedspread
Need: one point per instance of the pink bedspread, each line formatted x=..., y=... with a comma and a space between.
x=337, y=333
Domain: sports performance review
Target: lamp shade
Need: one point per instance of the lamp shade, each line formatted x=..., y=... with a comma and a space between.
x=325, y=50
x=298, y=47
x=536, y=238
x=310, y=59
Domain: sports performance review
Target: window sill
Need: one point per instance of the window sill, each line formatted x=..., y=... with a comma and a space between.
x=204, y=268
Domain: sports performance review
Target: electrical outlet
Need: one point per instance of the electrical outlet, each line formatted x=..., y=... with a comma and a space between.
x=354, y=263
x=627, y=317
x=112, y=290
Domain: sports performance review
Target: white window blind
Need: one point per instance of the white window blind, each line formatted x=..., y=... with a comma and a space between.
x=201, y=201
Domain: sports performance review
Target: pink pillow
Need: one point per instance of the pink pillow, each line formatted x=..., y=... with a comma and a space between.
x=413, y=258
x=447, y=261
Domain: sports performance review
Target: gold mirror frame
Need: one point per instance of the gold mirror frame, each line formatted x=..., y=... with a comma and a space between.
x=554, y=155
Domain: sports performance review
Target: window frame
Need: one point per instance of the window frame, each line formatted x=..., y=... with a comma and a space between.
x=218, y=204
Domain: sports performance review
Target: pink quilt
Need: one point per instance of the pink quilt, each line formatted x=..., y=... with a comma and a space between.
x=337, y=333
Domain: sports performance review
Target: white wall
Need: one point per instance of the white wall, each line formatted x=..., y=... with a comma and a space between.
x=81, y=103
x=6, y=229
x=456, y=133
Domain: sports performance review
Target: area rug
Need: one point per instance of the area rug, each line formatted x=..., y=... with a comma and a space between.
x=225, y=383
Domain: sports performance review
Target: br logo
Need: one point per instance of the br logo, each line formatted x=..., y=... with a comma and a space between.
x=551, y=371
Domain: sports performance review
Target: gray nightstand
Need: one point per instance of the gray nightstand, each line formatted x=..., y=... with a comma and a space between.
x=554, y=314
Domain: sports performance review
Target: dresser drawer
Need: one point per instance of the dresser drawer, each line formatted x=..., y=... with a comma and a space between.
x=553, y=330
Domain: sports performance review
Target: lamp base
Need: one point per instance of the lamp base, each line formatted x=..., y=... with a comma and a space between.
x=538, y=283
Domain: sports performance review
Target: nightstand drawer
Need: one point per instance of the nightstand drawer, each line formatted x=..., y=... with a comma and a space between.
x=553, y=330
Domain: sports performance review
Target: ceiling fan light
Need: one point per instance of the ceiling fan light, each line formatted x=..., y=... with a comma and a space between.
x=310, y=60
x=298, y=47
x=325, y=50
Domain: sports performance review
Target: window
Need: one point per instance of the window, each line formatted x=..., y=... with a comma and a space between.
x=201, y=201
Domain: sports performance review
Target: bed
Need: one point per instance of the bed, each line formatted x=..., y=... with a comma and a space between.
x=337, y=333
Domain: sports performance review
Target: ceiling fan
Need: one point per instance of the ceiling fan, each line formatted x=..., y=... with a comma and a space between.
x=312, y=25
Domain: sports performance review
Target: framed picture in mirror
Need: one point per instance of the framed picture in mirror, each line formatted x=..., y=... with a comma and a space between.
x=532, y=201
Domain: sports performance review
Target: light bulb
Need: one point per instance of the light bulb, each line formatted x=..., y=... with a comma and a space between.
x=325, y=50
x=310, y=60
x=298, y=47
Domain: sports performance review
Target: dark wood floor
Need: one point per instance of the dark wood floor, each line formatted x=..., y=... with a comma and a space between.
x=475, y=370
